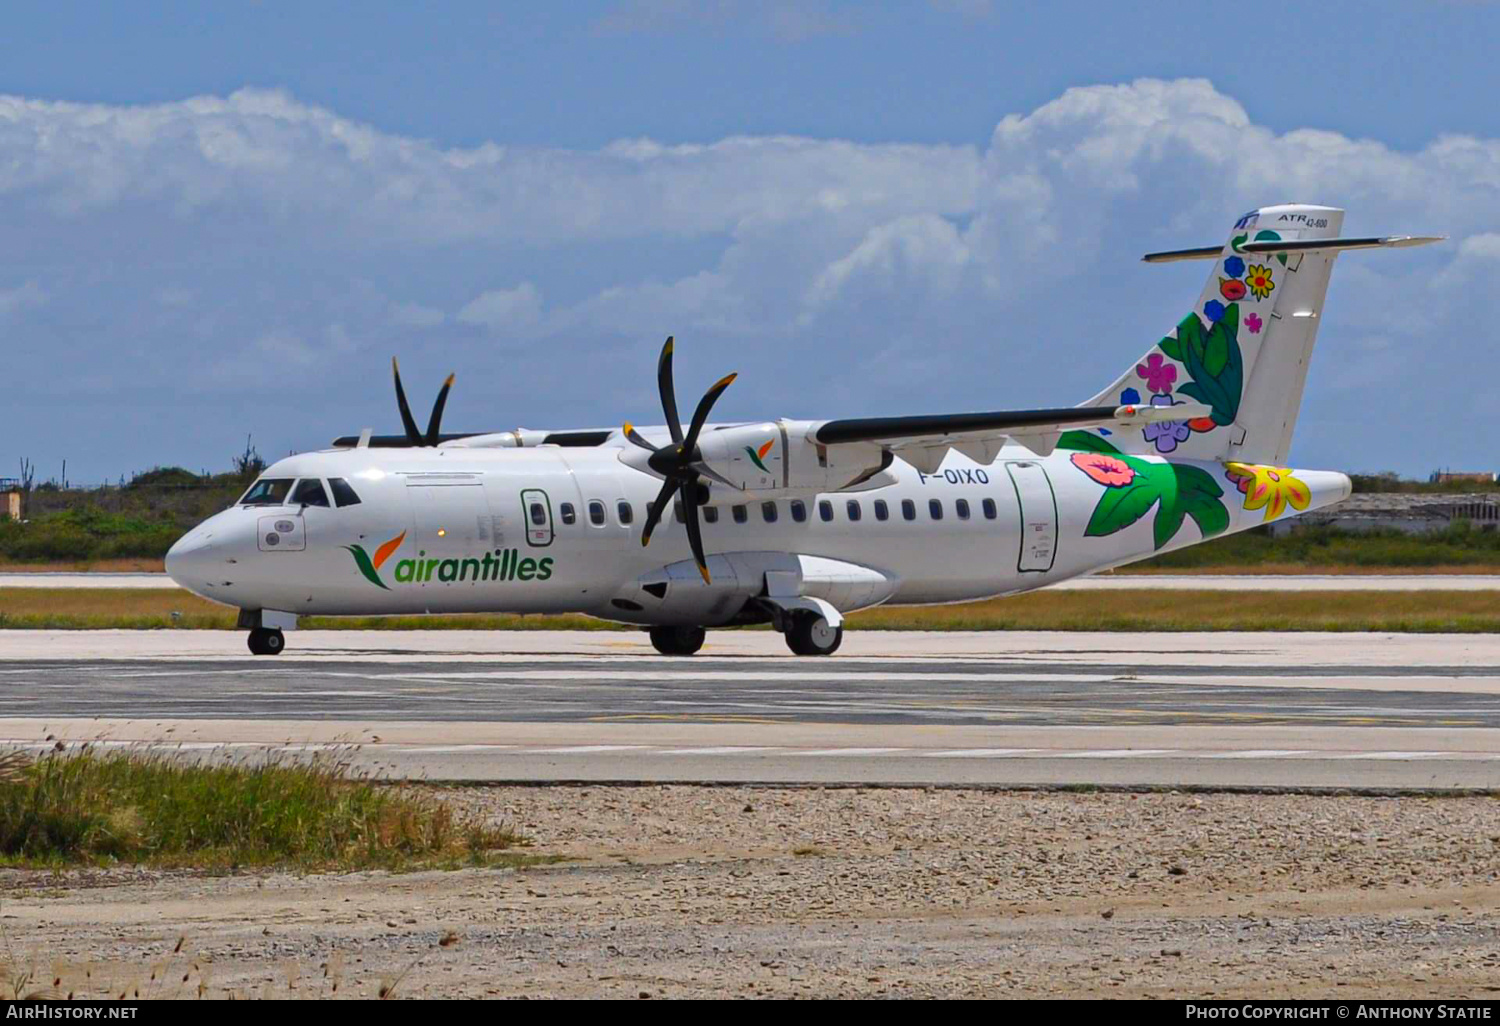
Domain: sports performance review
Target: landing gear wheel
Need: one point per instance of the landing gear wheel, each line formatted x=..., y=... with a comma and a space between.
x=267, y=641
x=813, y=635
x=678, y=641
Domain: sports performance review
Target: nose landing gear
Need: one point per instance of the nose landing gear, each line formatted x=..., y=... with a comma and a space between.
x=267, y=641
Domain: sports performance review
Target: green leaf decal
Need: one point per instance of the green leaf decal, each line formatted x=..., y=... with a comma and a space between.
x=1084, y=441
x=362, y=560
x=1168, y=521
x=1170, y=347
x=1236, y=242
x=1199, y=494
x=1215, y=364
x=1120, y=507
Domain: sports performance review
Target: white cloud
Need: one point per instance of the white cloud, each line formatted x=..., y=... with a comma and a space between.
x=415, y=315
x=502, y=310
x=1006, y=272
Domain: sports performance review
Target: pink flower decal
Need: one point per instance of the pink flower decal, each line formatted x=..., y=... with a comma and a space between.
x=1253, y=322
x=1107, y=470
x=1160, y=376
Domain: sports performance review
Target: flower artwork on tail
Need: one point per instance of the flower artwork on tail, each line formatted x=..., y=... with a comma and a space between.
x=1134, y=486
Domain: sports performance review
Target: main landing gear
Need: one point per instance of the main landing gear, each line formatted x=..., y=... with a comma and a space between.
x=267, y=641
x=678, y=641
x=812, y=635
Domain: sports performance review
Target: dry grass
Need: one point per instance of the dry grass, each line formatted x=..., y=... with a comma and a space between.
x=1124, y=610
x=1303, y=569
x=1155, y=610
x=91, y=807
x=123, y=565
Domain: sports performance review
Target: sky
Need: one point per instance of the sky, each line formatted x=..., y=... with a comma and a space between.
x=220, y=220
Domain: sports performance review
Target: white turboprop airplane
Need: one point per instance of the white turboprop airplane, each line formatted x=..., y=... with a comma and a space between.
x=796, y=523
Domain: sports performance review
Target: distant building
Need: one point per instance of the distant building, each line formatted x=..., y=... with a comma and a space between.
x=1449, y=476
x=1411, y=512
x=11, y=496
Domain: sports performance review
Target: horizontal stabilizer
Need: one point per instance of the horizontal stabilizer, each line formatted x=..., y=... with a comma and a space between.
x=897, y=430
x=1294, y=246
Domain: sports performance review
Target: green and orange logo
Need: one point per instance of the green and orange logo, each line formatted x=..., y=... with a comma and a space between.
x=499, y=565
x=370, y=565
x=757, y=456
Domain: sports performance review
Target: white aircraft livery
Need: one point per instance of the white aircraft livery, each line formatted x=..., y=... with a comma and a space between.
x=797, y=523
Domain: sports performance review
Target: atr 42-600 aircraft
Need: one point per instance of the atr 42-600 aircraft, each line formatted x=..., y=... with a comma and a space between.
x=797, y=523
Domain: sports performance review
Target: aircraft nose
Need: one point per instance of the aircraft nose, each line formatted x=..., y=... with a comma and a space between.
x=195, y=559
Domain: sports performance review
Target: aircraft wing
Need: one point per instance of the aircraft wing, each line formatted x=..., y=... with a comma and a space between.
x=925, y=440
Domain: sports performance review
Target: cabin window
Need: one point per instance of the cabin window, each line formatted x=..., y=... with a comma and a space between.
x=799, y=511
x=268, y=491
x=882, y=511
x=627, y=514
x=990, y=513
x=711, y=514
x=741, y=514
x=935, y=508
x=538, y=514
x=768, y=510
x=855, y=512
x=961, y=507
x=310, y=493
x=908, y=510
x=596, y=512
x=343, y=495
x=569, y=514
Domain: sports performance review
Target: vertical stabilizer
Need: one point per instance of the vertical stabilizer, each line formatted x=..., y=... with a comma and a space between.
x=1243, y=349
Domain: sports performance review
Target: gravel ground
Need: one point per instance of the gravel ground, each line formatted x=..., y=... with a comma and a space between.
x=683, y=891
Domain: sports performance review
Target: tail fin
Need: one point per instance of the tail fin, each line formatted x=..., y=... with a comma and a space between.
x=1244, y=348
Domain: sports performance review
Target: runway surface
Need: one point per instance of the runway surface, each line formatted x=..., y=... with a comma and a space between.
x=1153, y=582
x=1299, y=710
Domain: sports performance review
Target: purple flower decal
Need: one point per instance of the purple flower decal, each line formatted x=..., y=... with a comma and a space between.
x=1167, y=434
x=1160, y=376
x=1213, y=309
x=1253, y=322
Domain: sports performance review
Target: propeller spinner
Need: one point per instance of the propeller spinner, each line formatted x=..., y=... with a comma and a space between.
x=680, y=463
x=434, y=423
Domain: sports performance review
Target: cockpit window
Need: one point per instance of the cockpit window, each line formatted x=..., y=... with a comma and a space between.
x=343, y=495
x=310, y=493
x=268, y=491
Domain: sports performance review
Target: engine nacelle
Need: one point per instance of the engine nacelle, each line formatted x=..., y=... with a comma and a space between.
x=780, y=460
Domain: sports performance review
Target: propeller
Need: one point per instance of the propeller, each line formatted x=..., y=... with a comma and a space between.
x=680, y=463
x=434, y=423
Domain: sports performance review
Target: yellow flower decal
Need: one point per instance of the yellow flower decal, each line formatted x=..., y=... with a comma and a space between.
x=1258, y=281
x=1270, y=488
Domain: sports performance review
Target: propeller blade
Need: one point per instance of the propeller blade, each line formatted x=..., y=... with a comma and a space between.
x=694, y=531
x=700, y=415
x=668, y=393
x=658, y=504
x=435, y=422
x=412, y=434
x=634, y=436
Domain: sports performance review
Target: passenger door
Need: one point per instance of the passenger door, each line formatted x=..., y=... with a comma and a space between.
x=1038, y=512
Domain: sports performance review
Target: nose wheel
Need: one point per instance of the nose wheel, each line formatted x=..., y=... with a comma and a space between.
x=267, y=641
